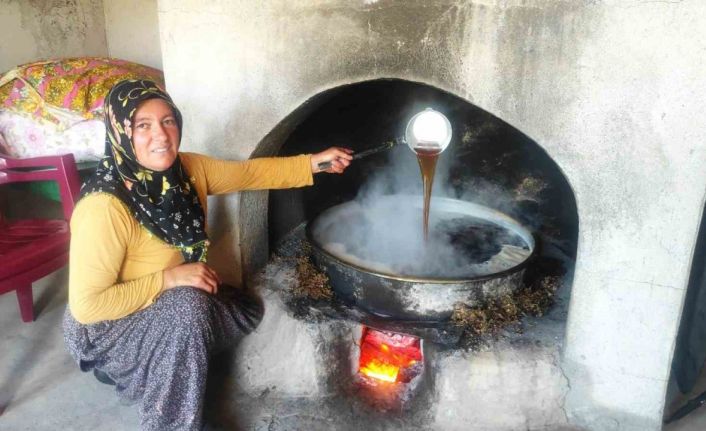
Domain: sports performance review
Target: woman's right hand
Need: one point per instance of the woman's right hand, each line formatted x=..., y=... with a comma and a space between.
x=198, y=275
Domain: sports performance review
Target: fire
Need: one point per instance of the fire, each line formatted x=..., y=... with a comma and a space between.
x=381, y=371
x=384, y=355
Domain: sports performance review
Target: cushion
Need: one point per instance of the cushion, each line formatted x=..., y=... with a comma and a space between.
x=56, y=106
x=23, y=137
x=49, y=91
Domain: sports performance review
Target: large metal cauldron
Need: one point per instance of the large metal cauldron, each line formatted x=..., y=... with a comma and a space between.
x=421, y=298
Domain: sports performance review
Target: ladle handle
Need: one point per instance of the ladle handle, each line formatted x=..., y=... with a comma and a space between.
x=386, y=146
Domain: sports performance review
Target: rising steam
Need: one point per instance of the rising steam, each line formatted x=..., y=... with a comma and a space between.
x=381, y=230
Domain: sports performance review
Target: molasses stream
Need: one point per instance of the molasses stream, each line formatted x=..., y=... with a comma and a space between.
x=427, y=159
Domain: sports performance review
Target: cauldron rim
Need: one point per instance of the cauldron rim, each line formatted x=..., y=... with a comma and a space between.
x=426, y=280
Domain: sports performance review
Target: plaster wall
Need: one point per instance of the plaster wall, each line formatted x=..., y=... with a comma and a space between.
x=32, y=30
x=612, y=90
x=132, y=31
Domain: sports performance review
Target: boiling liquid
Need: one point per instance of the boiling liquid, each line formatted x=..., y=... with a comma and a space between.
x=427, y=158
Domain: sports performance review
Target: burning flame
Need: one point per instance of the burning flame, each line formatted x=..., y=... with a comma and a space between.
x=381, y=371
x=384, y=361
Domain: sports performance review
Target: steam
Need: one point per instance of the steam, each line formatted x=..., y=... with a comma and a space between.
x=381, y=230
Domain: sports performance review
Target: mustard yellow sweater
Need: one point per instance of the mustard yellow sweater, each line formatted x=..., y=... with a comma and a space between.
x=116, y=266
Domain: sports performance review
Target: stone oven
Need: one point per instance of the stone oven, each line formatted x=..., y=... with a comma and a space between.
x=488, y=163
x=602, y=100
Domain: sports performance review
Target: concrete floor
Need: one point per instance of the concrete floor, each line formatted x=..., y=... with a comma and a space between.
x=42, y=389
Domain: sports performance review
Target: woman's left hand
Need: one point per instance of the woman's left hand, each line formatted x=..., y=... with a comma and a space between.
x=339, y=157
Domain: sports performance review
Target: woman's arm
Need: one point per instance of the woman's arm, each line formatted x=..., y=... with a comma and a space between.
x=223, y=176
x=101, y=228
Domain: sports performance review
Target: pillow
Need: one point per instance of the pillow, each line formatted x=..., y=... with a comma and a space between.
x=56, y=106
x=21, y=137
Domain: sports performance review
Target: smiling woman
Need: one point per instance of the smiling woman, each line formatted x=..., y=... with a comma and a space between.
x=146, y=311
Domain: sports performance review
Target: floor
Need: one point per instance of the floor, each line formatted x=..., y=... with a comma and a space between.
x=42, y=389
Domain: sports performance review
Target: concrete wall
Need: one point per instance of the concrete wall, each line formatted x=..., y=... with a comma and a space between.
x=36, y=30
x=614, y=91
x=132, y=31
x=32, y=30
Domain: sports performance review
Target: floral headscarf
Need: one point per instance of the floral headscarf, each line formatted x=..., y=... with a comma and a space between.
x=165, y=202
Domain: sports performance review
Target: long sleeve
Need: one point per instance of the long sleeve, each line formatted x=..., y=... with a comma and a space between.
x=101, y=231
x=223, y=176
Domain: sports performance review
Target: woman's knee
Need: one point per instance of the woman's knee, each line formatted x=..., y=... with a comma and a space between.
x=187, y=306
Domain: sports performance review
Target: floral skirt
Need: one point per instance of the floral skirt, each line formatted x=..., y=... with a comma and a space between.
x=159, y=356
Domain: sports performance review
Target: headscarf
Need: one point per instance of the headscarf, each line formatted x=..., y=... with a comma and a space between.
x=165, y=202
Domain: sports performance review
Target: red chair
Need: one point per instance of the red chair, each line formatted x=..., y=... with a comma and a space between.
x=33, y=248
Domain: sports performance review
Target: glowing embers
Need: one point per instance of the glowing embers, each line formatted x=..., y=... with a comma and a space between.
x=389, y=356
x=390, y=368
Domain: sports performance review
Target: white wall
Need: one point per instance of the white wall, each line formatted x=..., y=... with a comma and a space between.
x=37, y=30
x=132, y=31
x=614, y=91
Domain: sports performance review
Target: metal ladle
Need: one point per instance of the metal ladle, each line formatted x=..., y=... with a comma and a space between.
x=427, y=130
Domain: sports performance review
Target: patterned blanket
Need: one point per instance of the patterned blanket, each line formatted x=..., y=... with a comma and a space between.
x=50, y=91
x=56, y=106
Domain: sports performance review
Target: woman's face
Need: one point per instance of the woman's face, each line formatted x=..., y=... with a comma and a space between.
x=155, y=135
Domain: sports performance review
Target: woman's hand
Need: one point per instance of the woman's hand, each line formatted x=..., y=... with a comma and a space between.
x=339, y=157
x=198, y=275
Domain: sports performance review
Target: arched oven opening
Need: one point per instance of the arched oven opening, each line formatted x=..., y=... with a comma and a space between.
x=488, y=162
x=489, y=166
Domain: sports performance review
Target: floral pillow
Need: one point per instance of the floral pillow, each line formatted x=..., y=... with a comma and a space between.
x=22, y=137
x=56, y=106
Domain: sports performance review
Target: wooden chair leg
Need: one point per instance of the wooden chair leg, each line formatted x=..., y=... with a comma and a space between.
x=24, y=299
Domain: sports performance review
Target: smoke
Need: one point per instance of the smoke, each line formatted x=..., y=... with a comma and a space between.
x=382, y=230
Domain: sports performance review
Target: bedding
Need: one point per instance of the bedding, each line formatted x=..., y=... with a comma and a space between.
x=56, y=106
x=21, y=136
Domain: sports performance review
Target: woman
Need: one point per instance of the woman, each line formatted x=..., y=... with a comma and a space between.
x=145, y=310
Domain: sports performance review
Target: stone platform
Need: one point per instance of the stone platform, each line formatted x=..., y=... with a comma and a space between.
x=302, y=369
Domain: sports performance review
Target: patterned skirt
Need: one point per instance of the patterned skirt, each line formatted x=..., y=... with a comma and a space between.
x=159, y=356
